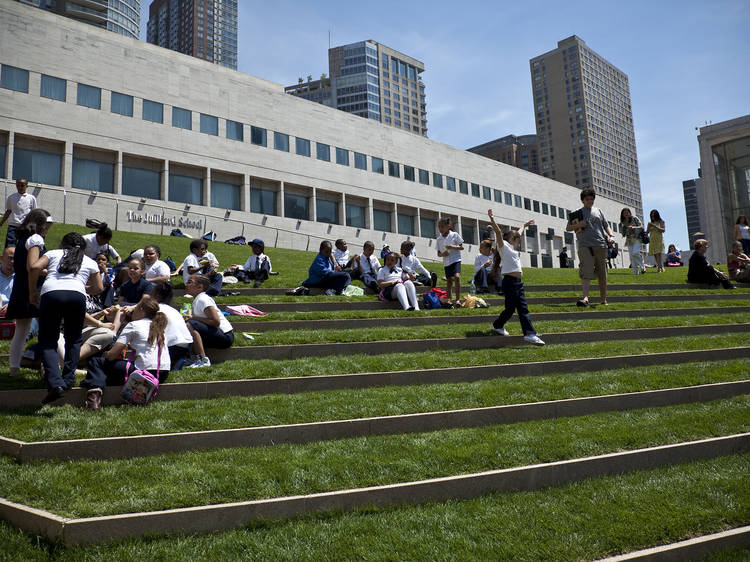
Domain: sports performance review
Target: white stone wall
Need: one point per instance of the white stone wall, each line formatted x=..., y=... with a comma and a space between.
x=46, y=44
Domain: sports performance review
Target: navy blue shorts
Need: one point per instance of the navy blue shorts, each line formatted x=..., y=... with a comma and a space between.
x=452, y=269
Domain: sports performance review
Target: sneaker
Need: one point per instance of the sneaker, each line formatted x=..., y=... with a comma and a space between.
x=202, y=362
x=536, y=340
x=330, y=292
x=256, y=284
x=301, y=290
x=501, y=331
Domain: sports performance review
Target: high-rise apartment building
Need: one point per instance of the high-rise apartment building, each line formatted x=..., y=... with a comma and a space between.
x=120, y=16
x=521, y=152
x=584, y=122
x=206, y=29
x=692, y=192
x=373, y=81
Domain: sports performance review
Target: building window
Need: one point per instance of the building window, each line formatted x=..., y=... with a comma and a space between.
x=486, y=192
x=508, y=198
x=450, y=183
x=153, y=111
x=517, y=201
x=463, y=187
x=37, y=166
x=262, y=201
x=54, y=88
x=89, y=96
x=185, y=189
x=377, y=165
x=409, y=173
x=209, y=124
x=13, y=78
x=427, y=227
x=405, y=224
x=302, y=146
x=545, y=209
x=424, y=177
x=360, y=161
x=468, y=233
x=553, y=210
x=235, y=130
x=536, y=206
x=323, y=151
x=327, y=211
x=93, y=175
x=281, y=141
x=342, y=156
x=258, y=136
x=498, y=195
x=182, y=118
x=527, y=203
x=296, y=206
x=225, y=195
x=381, y=220
x=475, y=191
x=140, y=182
x=437, y=180
x=394, y=169
x=122, y=104
x=355, y=215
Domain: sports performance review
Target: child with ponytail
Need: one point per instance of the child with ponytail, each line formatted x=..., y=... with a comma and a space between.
x=145, y=336
x=70, y=275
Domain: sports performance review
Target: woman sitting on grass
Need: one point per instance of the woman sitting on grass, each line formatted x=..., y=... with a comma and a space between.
x=738, y=264
x=144, y=334
x=395, y=284
x=208, y=326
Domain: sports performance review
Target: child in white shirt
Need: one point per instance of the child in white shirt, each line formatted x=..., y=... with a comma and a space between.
x=411, y=264
x=257, y=268
x=394, y=283
x=449, y=247
x=482, y=267
x=515, y=297
x=208, y=326
x=17, y=207
x=201, y=261
x=369, y=266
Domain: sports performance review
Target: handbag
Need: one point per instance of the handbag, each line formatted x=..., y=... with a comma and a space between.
x=140, y=386
x=644, y=237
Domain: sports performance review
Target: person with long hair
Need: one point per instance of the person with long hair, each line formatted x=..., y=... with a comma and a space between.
x=145, y=335
x=631, y=228
x=738, y=264
x=70, y=275
x=29, y=246
x=179, y=340
x=98, y=243
x=742, y=233
x=655, y=229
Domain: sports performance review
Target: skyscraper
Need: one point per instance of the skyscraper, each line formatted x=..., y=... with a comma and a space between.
x=584, y=122
x=120, y=16
x=206, y=29
x=373, y=81
x=692, y=191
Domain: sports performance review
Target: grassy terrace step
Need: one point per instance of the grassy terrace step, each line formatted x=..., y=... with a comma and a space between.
x=22, y=401
x=308, y=432
x=89, y=488
x=297, y=304
x=421, y=364
x=607, y=515
x=479, y=315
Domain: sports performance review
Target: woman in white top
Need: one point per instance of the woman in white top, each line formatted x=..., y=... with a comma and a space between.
x=70, y=275
x=742, y=233
x=395, y=284
x=98, y=243
x=144, y=334
x=179, y=340
x=156, y=270
x=208, y=326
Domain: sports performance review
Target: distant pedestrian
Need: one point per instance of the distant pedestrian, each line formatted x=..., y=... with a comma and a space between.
x=17, y=207
x=742, y=233
x=655, y=229
x=632, y=229
x=563, y=257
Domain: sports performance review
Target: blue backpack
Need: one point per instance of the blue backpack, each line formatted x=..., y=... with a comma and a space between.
x=172, y=265
x=430, y=300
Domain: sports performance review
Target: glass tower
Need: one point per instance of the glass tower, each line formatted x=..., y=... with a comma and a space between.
x=120, y=16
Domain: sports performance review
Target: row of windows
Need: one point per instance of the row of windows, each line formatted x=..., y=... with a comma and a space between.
x=90, y=96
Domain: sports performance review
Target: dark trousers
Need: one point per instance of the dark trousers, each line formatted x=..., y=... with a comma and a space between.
x=56, y=306
x=430, y=280
x=10, y=236
x=214, y=288
x=745, y=244
x=515, y=301
x=338, y=281
x=212, y=336
x=102, y=372
x=177, y=355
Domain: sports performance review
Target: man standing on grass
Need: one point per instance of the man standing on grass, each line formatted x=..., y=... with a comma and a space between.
x=594, y=236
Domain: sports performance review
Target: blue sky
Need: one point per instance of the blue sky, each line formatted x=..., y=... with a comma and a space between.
x=687, y=62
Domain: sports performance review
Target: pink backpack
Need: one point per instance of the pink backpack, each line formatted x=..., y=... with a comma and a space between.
x=140, y=386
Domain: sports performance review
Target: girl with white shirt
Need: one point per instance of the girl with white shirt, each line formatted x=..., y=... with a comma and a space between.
x=144, y=334
x=742, y=233
x=30, y=245
x=156, y=270
x=208, y=326
x=395, y=284
x=179, y=340
x=98, y=243
x=515, y=297
x=70, y=275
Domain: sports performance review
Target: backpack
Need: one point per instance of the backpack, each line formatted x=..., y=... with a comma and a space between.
x=93, y=223
x=170, y=262
x=430, y=300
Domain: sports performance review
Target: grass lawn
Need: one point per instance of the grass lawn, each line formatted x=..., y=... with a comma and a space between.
x=585, y=520
x=67, y=422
